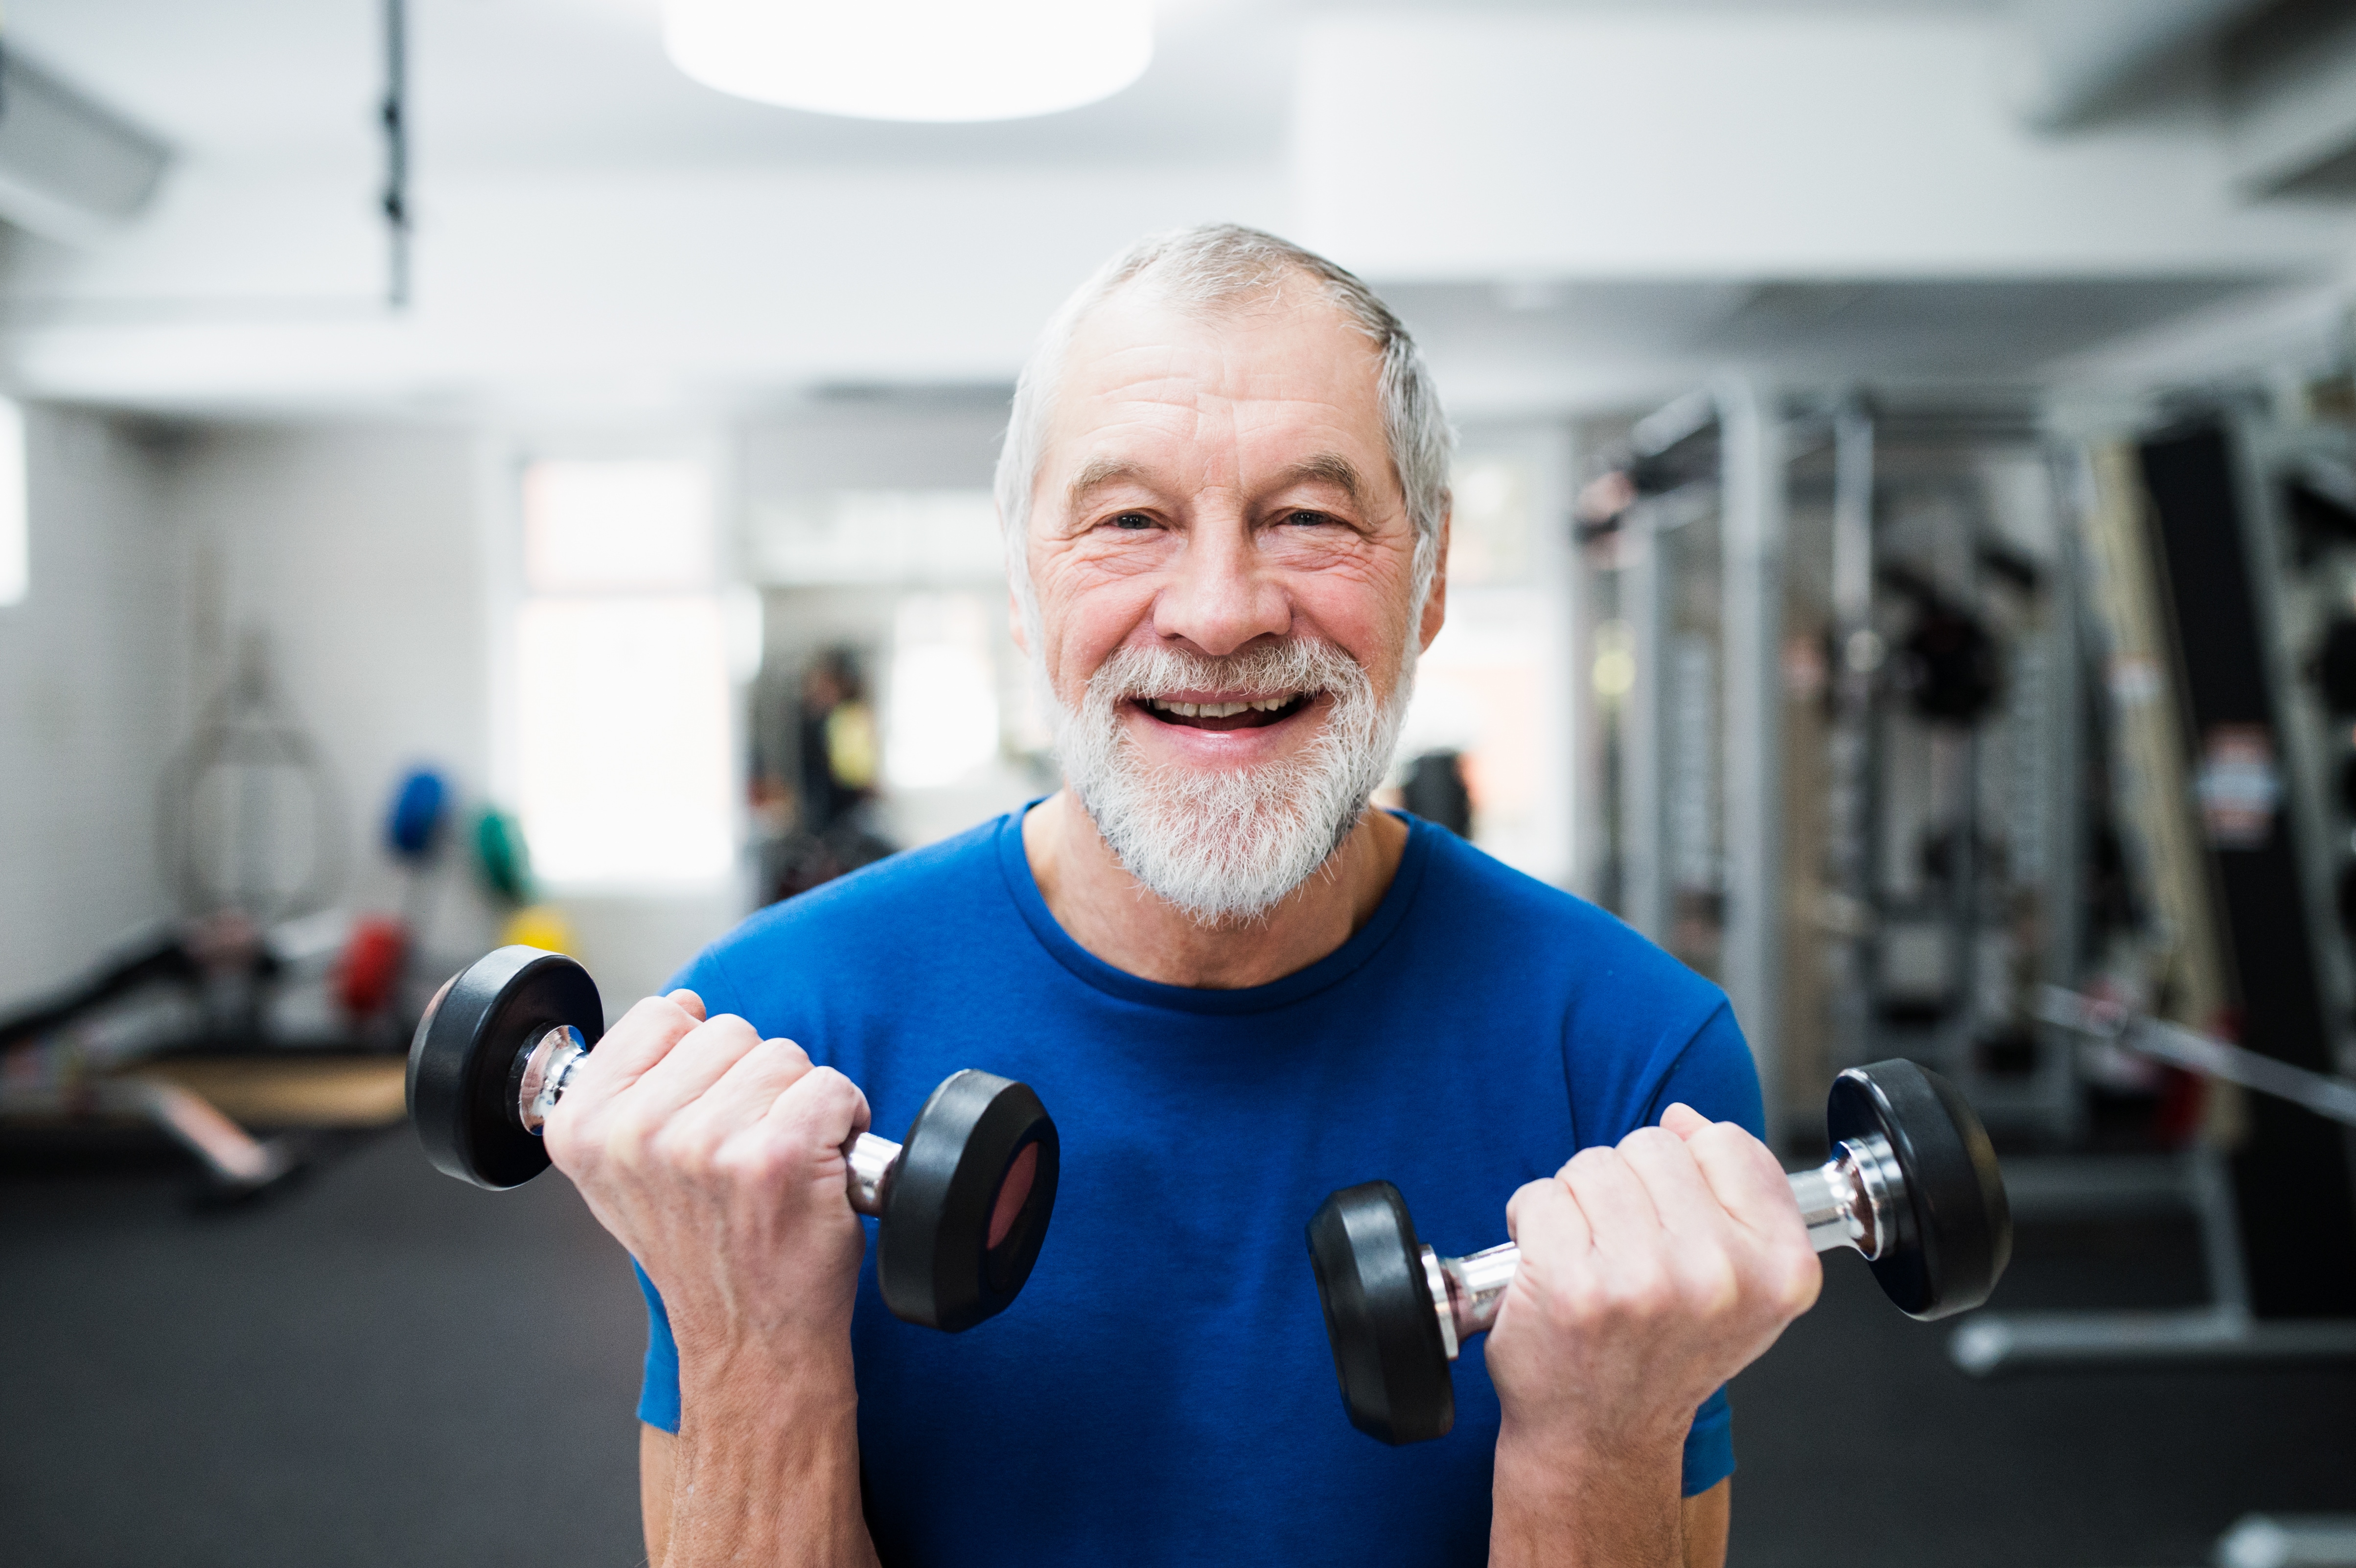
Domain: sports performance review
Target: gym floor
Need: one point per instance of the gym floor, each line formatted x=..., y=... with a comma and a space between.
x=380, y=1366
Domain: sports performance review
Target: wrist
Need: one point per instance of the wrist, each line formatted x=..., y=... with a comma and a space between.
x=1568, y=1449
x=1576, y=1498
x=797, y=1377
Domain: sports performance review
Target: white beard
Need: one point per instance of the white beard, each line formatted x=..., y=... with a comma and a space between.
x=1226, y=846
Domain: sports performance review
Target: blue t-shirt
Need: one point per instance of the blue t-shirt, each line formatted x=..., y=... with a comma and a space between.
x=1161, y=1391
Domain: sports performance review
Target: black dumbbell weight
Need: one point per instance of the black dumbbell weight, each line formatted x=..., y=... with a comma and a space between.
x=962, y=1203
x=1912, y=1184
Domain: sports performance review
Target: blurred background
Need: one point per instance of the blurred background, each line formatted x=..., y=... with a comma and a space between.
x=517, y=470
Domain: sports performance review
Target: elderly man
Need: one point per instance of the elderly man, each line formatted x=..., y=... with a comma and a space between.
x=1225, y=497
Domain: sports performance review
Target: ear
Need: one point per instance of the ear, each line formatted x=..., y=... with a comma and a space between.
x=1435, y=604
x=1013, y=599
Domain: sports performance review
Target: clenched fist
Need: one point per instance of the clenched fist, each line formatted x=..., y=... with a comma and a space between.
x=1650, y=1274
x=716, y=1157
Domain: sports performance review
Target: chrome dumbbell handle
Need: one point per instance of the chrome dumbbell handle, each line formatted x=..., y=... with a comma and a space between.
x=1848, y=1201
x=547, y=1069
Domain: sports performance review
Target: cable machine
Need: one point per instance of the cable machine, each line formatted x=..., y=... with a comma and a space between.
x=1834, y=690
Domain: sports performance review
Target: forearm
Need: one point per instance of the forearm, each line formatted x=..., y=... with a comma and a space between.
x=765, y=1469
x=1558, y=1506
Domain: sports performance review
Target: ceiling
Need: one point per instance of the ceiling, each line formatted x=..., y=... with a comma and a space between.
x=593, y=221
x=585, y=82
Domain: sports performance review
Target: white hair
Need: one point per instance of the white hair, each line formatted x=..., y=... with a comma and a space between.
x=1211, y=268
x=1227, y=845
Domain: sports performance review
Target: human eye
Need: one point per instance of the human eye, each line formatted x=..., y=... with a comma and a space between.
x=1129, y=521
x=1302, y=517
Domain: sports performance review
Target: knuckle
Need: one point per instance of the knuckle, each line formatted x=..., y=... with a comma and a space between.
x=1801, y=1285
x=628, y=1131
x=731, y=1028
x=678, y=1145
x=747, y=1163
x=1651, y=1140
x=1595, y=1156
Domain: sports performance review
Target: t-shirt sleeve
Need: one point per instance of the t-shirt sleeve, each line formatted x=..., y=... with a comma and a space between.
x=658, y=1393
x=659, y=1387
x=1716, y=1076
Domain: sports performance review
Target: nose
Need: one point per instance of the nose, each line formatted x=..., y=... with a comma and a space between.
x=1220, y=594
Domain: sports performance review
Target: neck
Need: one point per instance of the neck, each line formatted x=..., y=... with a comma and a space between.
x=1104, y=909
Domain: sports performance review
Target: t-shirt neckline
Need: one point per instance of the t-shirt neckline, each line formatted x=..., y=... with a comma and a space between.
x=1334, y=967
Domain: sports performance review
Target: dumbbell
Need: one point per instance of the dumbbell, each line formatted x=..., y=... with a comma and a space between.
x=962, y=1201
x=1912, y=1184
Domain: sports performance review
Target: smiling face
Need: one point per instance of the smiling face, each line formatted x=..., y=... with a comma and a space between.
x=1224, y=573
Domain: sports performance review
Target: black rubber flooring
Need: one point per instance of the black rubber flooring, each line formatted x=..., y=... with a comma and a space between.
x=383, y=1366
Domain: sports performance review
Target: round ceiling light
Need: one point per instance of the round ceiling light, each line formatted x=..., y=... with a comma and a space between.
x=914, y=60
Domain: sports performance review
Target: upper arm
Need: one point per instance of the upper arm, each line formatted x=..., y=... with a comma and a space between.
x=657, y=1454
x=1716, y=1074
x=1706, y=1517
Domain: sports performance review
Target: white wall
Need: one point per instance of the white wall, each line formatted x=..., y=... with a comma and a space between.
x=355, y=552
x=93, y=697
x=554, y=292
x=1630, y=145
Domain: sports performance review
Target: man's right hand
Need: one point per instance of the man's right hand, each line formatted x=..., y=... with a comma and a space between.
x=716, y=1157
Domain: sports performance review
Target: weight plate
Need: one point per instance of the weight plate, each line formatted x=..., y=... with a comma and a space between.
x=933, y=1259
x=1387, y=1353
x=463, y=1062
x=1954, y=1230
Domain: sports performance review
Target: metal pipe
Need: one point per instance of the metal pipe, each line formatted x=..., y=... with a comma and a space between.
x=1750, y=537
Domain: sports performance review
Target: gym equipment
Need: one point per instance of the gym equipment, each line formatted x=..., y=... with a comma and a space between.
x=368, y=973
x=2328, y=1095
x=413, y=829
x=500, y=853
x=1912, y=1184
x=963, y=1202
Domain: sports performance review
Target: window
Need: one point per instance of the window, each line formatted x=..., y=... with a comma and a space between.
x=15, y=529
x=942, y=712
x=624, y=747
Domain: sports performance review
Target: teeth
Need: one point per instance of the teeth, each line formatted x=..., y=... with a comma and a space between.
x=1220, y=710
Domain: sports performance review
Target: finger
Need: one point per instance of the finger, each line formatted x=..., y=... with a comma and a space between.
x=1749, y=1184
x=820, y=1111
x=643, y=1036
x=742, y=1095
x=1684, y=1120
x=687, y=1002
x=1618, y=1210
x=1543, y=1218
x=692, y=1066
x=1681, y=1195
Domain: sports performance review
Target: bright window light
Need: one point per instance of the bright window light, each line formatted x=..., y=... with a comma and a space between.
x=941, y=706
x=16, y=529
x=914, y=60
x=592, y=527
x=622, y=635
x=624, y=740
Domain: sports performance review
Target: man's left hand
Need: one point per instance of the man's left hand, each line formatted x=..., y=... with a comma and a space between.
x=1650, y=1274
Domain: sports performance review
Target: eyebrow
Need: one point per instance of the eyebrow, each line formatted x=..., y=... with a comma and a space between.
x=1326, y=467
x=1096, y=473
x=1329, y=469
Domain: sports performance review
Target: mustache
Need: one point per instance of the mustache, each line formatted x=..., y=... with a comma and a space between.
x=1295, y=664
